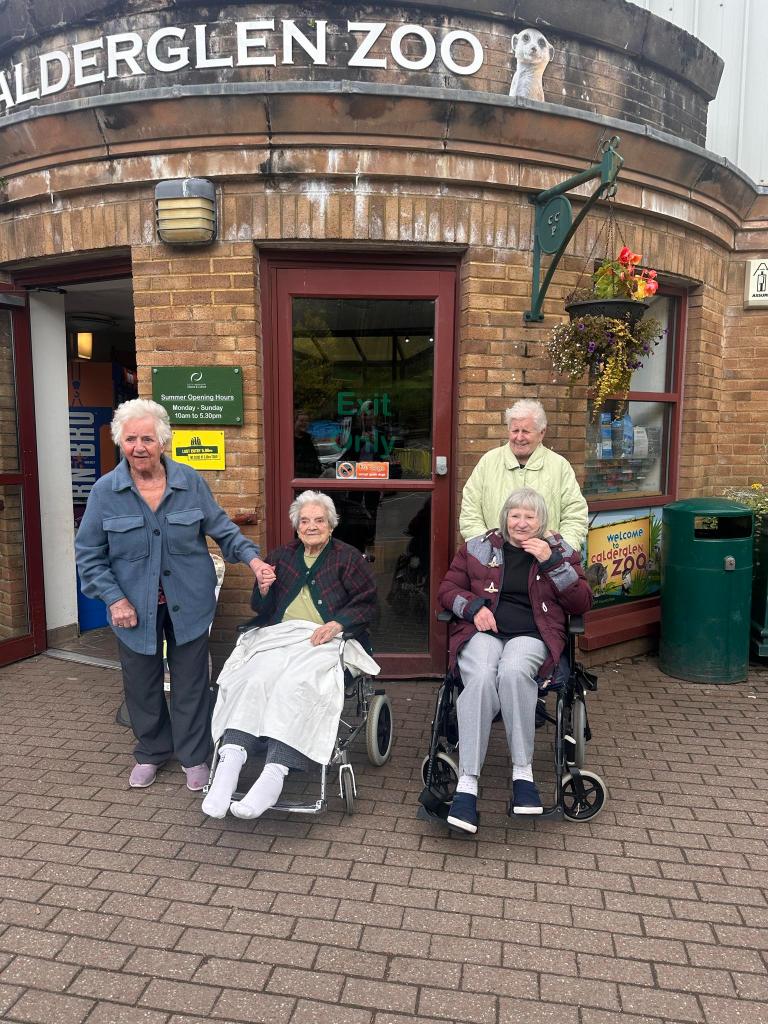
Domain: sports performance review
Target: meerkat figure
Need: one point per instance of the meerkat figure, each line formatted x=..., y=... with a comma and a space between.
x=532, y=52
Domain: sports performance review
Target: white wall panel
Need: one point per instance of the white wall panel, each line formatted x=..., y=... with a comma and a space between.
x=737, y=30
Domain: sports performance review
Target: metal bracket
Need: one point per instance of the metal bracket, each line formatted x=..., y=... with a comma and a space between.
x=554, y=225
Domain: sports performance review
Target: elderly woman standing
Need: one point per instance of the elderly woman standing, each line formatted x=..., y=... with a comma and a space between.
x=510, y=591
x=141, y=549
x=283, y=680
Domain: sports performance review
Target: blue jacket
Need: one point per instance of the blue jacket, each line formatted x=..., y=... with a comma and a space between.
x=124, y=549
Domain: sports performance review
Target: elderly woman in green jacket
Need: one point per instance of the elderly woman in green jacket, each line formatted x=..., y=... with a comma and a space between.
x=524, y=462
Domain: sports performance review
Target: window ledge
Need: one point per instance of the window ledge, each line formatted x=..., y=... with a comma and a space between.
x=615, y=625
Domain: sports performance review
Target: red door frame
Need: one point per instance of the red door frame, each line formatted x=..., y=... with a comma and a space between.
x=326, y=275
x=34, y=641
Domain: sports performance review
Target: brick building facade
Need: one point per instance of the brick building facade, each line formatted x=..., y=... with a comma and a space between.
x=390, y=168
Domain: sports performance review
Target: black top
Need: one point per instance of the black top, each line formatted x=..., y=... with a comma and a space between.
x=514, y=615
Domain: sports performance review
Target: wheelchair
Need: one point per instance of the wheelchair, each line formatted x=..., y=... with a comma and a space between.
x=579, y=795
x=366, y=710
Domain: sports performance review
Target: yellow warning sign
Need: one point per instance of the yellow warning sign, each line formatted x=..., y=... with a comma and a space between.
x=201, y=449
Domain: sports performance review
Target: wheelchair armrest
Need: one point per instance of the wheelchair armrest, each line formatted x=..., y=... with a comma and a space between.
x=444, y=616
x=245, y=626
x=354, y=632
x=576, y=625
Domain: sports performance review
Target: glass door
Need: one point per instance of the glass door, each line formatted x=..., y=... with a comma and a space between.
x=22, y=616
x=362, y=372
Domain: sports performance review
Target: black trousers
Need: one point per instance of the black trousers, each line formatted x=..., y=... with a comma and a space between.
x=184, y=730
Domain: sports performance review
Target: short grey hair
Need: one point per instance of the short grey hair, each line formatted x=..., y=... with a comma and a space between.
x=527, y=407
x=313, y=498
x=524, y=497
x=139, y=409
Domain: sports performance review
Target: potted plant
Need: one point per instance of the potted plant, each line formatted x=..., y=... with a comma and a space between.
x=606, y=335
x=756, y=497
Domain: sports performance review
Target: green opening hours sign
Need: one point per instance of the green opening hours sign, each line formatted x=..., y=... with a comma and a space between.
x=200, y=394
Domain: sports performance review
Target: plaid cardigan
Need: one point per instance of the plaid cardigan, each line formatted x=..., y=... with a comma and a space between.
x=340, y=582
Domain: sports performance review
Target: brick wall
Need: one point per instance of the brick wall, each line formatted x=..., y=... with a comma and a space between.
x=583, y=74
x=206, y=303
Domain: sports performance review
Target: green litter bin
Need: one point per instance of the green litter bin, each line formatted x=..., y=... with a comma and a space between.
x=706, y=589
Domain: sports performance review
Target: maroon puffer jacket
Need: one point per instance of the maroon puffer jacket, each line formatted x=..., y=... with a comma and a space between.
x=557, y=588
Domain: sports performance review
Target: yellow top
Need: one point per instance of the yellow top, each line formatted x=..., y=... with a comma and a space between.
x=302, y=606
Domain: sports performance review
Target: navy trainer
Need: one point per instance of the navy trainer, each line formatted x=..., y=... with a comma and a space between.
x=463, y=813
x=525, y=798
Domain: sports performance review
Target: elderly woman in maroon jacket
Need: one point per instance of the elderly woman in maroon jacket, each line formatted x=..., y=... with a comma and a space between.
x=510, y=591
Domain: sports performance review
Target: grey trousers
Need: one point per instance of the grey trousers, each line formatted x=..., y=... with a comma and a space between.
x=185, y=730
x=277, y=752
x=498, y=675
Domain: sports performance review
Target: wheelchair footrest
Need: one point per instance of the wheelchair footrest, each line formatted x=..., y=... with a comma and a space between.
x=433, y=805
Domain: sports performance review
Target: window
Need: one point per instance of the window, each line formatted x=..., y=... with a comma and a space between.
x=632, y=452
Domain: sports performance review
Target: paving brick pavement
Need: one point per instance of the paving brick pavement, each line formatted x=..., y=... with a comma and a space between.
x=126, y=906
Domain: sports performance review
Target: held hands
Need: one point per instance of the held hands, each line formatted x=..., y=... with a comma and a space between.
x=122, y=614
x=485, y=621
x=264, y=573
x=325, y=633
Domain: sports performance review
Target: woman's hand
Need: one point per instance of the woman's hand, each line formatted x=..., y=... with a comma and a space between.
x=122, y=614
x=537, y=547
x=326, y=632
x=485, y=621
x=264, y=573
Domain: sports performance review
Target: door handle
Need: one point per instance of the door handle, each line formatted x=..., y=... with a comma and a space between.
x=441, y=465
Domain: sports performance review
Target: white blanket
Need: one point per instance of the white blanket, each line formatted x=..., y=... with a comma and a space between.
x=276, y=684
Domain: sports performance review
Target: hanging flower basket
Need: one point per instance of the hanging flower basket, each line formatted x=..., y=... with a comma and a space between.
x=606, y=335
x=631, y=311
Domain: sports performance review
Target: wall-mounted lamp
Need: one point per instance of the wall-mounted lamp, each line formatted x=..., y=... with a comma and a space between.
x=84, y=344
x=185, y=211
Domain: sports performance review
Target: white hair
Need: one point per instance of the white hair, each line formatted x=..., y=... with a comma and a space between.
x=527, y=407
x=139, y=409
x=313, y=498
x=524, y=497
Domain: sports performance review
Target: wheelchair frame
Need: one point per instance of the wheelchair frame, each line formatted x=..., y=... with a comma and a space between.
x=373, y=710
x=579, y=794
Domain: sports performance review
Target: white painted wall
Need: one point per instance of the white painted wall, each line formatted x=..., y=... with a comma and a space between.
x=49, y=366
x=737, y=30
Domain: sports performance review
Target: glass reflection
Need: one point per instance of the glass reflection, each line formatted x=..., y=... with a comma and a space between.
x=393, y=530
x=14, y=618
x=9, y=445
x=362, y=387
x=627, y=455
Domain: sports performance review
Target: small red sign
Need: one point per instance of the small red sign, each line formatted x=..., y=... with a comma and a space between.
x=373, y=471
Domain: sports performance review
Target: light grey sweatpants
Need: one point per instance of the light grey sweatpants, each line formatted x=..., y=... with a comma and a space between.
x=498, y=675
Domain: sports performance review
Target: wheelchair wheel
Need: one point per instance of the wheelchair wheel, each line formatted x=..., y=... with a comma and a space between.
x=347, y=792
x=576, y=741
x=583, y=797
x=445, y=775
x=378, y=730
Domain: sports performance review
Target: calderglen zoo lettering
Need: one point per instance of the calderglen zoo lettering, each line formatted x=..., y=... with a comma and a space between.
x=264, y=43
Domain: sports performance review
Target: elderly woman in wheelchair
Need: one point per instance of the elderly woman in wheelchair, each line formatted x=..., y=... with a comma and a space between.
x=510, y=592
x=283, y=681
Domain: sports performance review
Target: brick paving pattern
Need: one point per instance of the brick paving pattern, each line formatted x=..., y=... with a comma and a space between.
x=127, y=907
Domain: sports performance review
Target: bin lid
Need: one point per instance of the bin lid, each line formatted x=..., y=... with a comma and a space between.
x=707, y=507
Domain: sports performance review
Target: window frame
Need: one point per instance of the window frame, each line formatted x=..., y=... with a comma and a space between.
x=674, y=400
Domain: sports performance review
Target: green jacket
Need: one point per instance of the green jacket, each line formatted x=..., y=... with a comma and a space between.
x=498, y=473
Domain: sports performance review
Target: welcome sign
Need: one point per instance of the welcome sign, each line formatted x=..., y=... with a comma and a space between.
x=264, y=43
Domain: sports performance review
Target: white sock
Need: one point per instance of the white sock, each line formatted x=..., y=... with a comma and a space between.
x=467, y=784
x=231, y=760
x=522, y=771
x=263, y=794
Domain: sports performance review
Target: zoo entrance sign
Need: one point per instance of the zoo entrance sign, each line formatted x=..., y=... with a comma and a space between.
x=255, y=44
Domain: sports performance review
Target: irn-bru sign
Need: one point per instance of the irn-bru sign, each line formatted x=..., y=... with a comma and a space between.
x=618, y=558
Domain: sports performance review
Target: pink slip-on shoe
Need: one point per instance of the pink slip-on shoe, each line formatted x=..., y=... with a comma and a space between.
x=197, y=777
x=142, y=775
